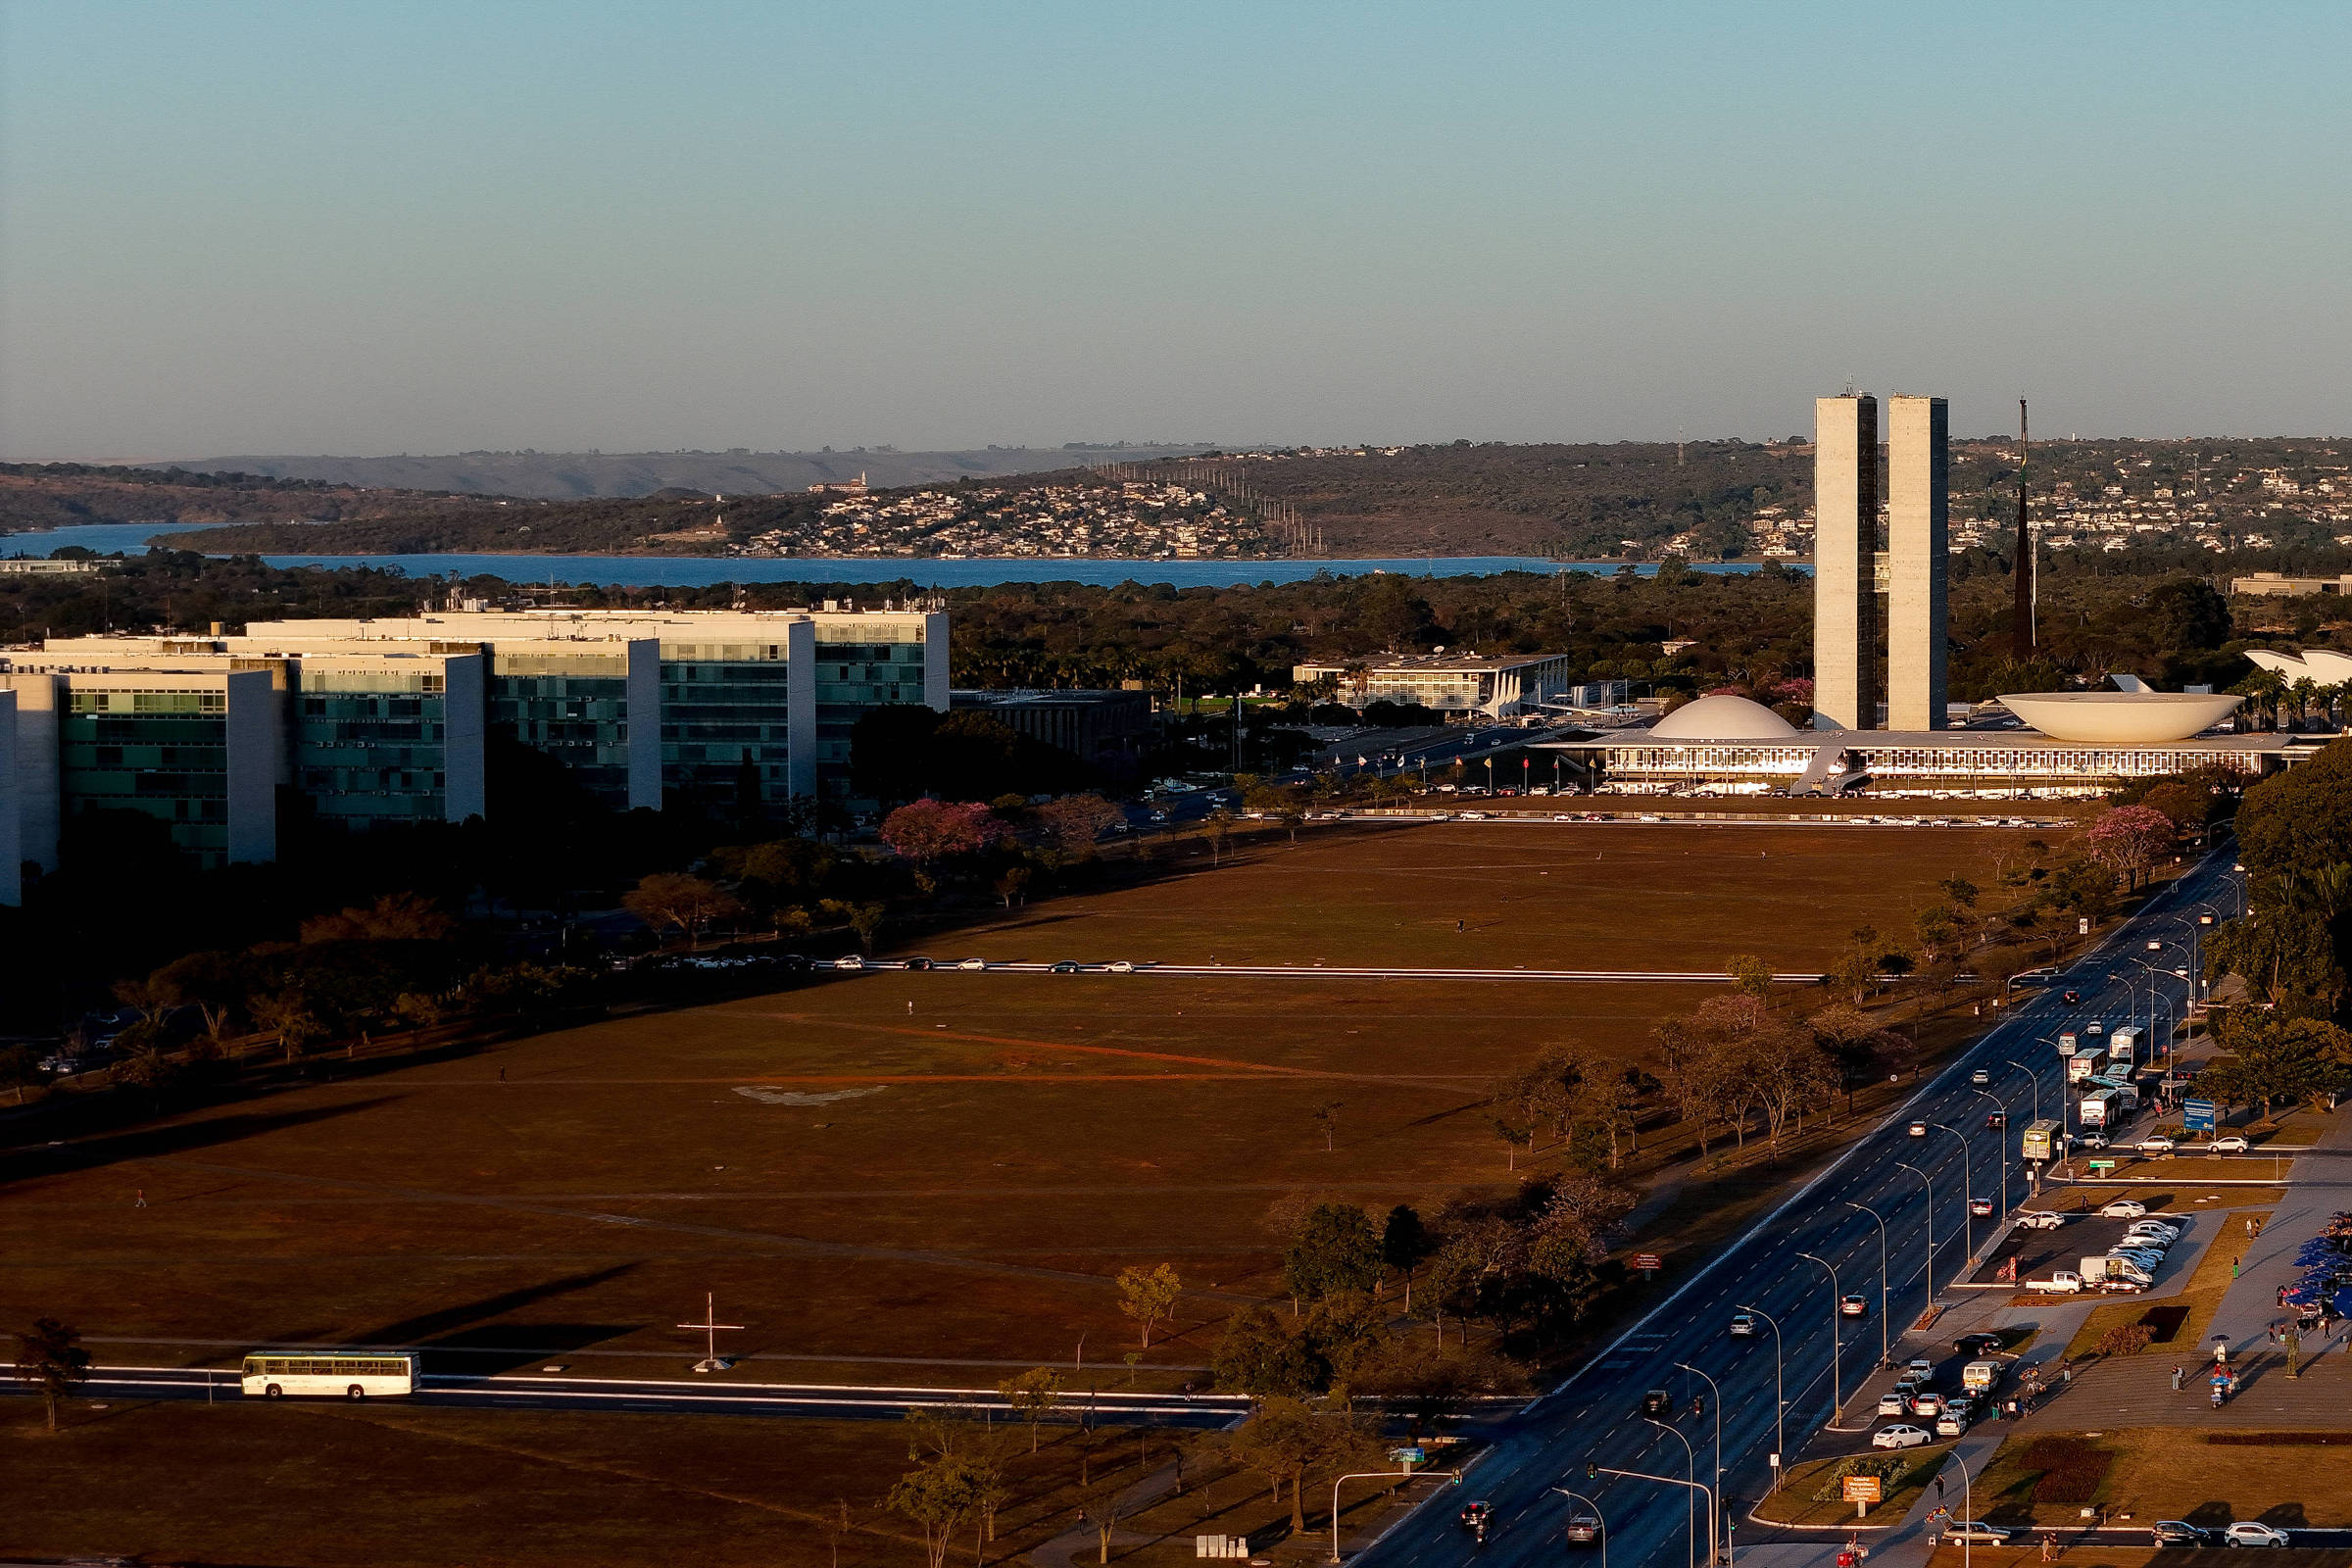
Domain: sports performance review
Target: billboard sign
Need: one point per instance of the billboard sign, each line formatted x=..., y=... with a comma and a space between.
x=2197, y=1115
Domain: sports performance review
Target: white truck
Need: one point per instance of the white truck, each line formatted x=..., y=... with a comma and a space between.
x=1980, y=1377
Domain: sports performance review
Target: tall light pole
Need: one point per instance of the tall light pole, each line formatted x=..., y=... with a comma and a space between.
x=1691, y=1504
x=1837, y=1376
x=2001, y=1149
x=1779, y=1404
x=1599, y=1518
x=1644, y=1475
x=2033, y=1082
x=1968, y=1191
x=1931, y=1192
x=1712, y=1528
x=1879, y=1221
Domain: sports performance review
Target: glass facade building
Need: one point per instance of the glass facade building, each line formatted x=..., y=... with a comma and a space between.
x=389, y=738
x=586, y=707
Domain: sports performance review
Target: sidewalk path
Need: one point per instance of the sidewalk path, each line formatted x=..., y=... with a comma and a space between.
x=2247, y=1312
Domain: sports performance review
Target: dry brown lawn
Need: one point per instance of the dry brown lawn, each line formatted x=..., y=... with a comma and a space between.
x=2167, y=1473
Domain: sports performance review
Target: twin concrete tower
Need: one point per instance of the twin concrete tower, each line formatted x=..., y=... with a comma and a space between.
x=1846, y=689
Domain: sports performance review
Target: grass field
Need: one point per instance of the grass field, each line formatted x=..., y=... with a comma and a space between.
x=2165, y=1473
x=925, y=1178
x=2201, y=1296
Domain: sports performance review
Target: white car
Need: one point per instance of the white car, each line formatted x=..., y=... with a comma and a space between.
x=973, y=964
x=2154, y=1147
x=2040, y=1219
x=1951, y=1424
x=2253, y=1532
x=2231, y=1145
x=1980, y=1078
x=2090, y=1140
x=1893, y=1404
x=2146, y=1259
x=1903, y=1437
x=1976, y=1529
x=1474, y=817
x=852, y=962
x=2167, y=1234
x=1121, y=966
x=2124, y=1208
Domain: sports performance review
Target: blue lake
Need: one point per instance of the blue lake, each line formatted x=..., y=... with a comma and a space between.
x=698, y=571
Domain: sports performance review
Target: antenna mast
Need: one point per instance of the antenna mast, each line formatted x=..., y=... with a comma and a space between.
x=2025, y=578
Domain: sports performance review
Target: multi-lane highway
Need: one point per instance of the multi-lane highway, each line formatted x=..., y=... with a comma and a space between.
x=681, y=1396
x=1823, y=1243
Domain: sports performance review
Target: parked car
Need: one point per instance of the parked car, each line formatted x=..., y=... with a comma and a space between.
x=2124, y=1208
x=1854, y=1307
x=1744, y=1325
x=1975, y=1530
x=2168, y=1233
x=2231, y=1145
x=2174, y=1532
x=2042, y=1219
x=1900, y=1436
x=2254, y=1532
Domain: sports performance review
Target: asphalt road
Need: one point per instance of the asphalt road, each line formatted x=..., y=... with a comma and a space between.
x=796, y=1401
x=1594, y=1417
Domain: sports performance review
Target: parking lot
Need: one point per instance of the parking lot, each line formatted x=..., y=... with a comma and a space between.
x=2038, y=1251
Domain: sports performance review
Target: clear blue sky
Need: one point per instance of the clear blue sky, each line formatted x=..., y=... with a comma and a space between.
x=418, y=227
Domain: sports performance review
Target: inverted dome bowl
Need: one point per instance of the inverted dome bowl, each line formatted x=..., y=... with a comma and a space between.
x=2119, y=718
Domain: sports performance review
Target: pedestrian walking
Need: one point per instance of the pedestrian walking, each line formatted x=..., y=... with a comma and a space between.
x=502, y=1075
x=1939, y=1489
x=2046, y=1544
x=139, y=1198
x=2177, y=1374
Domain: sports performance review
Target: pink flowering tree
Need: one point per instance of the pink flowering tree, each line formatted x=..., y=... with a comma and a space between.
x=926, y=832
x=2133, y=839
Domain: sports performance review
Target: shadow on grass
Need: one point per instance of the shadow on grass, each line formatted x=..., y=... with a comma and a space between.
x=160, y=1142
x=502, y=1346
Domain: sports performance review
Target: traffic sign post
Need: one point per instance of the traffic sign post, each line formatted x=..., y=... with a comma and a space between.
x=1649, y=1263
x=1862, y=1492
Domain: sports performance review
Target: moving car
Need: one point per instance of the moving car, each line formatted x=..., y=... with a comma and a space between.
x=1066, y=967
x=2042, y=1219
x=2155, y=1148
x=1656, y=1403
x=2174, y=1532
x=1476, y=1514
x=1976, y=1529
x=1982, y=1207
x=1901, y=1437
x=920, y=964
x=1996, y=1118
x=1952, y=1423
x=2231, y=1145
x=1922, y=1368
x=2071, y=998
x=2092, y=1140
x=973, y=964
x=1976, y=1344
x=1980, y=1078
x=1926, y=1402
x=1854, y=1307
x=852, y=962
x=2253, y=1532
x=1744, y=1325
x=1581, y=1529
x=2124, y=1208
x=1123, y=966
x=1893, y=1404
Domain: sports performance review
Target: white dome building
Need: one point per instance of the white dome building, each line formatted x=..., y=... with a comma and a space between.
x=1723, y=717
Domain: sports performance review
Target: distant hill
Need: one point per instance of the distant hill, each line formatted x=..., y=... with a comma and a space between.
x=582, y=475
x=61, y=495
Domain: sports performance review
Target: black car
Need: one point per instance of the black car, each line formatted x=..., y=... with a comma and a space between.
x=2176, y=1533
x=1655, y=1405
x=2072, y=997
x=1996, y=1118
x=1476, y=1513
x=1974, y=1345
x=921, y=963
x=1066, y=967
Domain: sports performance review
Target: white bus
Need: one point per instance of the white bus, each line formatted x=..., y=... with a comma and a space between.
x=336, y=1374
x=2124, y=1046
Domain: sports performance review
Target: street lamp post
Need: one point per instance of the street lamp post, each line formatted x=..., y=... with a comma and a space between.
x=1880, y=1221
x=1712, y=1528
x=1968, y=1191
x=1370, y=1475
x=1931, y=1192
x=2000, y=1150
x=1837, y=1376
x=1599, y=1518
x=1691, y=1504
x=1644, y=1475
x=1779, y=1404
x=2033, y=1082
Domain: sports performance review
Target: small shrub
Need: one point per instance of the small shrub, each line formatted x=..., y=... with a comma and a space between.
x=1885, y=1466
x=2072, y=1468
x=2128, y=1339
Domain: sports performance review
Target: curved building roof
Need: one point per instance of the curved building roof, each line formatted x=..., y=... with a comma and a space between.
x=2127, y=719
x=1723, y=717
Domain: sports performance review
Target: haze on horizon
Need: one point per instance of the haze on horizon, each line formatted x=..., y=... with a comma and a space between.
x=274, y=228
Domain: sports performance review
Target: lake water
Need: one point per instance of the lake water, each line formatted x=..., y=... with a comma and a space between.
x=700, y=571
